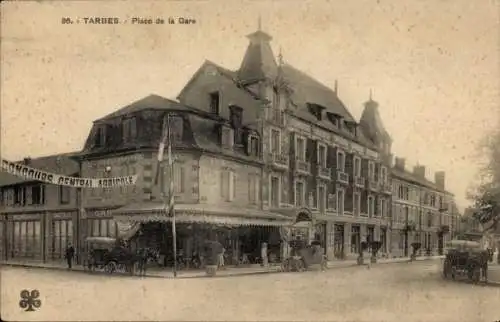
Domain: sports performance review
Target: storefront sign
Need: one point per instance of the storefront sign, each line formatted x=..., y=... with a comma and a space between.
x=24, y=171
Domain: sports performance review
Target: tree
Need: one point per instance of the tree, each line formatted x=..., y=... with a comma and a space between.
x=486, y=196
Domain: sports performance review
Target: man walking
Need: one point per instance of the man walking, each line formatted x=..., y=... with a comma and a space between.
x=70, y=253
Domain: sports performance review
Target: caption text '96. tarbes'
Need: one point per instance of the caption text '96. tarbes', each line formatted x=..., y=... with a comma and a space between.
x=130, y=21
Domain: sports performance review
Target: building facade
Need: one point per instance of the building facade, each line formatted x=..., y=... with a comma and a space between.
x=37, y=221
x=262, y=154
x=423, y=211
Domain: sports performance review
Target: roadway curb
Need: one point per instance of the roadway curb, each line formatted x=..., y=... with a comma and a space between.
x=351, y=265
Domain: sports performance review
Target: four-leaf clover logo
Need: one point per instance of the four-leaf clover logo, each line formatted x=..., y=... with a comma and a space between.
x=29, y=300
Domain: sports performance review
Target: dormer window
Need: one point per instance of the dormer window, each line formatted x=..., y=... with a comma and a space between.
x=333, y=118
x=253, y=145
x=129, y=129
x=100, y=136
x=350, y=127
x=176, y=128
x=236, y=116
x=316, y=110
x=227, y=137
x=215, y=103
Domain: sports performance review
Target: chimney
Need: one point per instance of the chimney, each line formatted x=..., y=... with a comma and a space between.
x=419, y=171
x=400, y=163
x=27, y=161
x=439, y=179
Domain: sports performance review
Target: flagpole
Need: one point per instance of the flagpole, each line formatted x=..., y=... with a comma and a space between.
x=170, y=200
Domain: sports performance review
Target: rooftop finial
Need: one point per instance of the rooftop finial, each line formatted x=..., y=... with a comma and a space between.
x=260, y=23
x=280, y=57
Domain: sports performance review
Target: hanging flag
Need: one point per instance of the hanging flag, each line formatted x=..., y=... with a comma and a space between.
x=161, y=149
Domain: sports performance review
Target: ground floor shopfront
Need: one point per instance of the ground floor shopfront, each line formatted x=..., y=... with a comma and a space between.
x=38, y=235
x=432, y=242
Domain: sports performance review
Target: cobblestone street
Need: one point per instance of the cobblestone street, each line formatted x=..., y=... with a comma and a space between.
x=409, y=291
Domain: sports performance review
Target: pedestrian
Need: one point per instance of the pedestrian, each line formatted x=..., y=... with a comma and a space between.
x=70, y=253
x=221, y=258
x=263, y=254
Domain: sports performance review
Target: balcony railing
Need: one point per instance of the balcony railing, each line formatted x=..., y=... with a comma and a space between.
x=386, y=187
x=373, y=185
x=279, y=159
x=302, y=166
x=332, y=201
x=359, y=182
x=277, y=117
x=324, y=172
x=342, y=177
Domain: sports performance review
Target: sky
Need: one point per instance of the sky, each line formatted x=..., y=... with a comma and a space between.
x=433, y=66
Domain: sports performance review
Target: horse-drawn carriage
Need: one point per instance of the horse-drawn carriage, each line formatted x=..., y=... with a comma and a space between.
x=466, y=258
x=109, y=255
x=303, y=256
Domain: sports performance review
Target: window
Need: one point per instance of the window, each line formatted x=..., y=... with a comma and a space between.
x=129, y=129
x=383, y=174
x=214, y=103
x=371, y=206
x=300, y=193
x=179, y=178
x=322, y=155
x=322, y=198
x=356, y=203
x=357, y=166
x=37, y=195
x=371, y=170
x=62, y=235
x=275, y=192
x=300, y=148
x=253, y=188
x=26, y=239
x=275, y=141
x=227, y=137
x=383, y=208
x=64, y=195
x=176, y=128
x=102, y=227
x=253, y=145
x=19, y=196
x=433, y=200
x=340, y=201
x=100, y=135
x=236, y=116
x=228, y=188
x=341, y=161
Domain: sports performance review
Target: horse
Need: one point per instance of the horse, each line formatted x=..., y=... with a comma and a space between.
x=144, y=256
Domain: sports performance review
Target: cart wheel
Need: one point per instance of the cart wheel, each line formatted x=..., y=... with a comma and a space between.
x=110, y=267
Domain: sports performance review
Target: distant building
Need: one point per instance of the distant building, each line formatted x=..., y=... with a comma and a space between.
x=422, y=210
x=36, y=219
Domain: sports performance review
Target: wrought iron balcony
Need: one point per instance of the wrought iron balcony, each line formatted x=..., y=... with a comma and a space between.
x=279, y=160
x=332, y=201
x=386, y=187
x=359, y=182
x=324, y=172
x=372, y=184
x=277, y=117
x=342, y=177
x=302, y=166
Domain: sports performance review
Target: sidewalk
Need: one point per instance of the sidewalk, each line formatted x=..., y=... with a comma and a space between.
x=229, y=271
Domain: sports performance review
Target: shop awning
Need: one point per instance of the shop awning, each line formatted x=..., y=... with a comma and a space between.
x=127, y=229
x=200, y=213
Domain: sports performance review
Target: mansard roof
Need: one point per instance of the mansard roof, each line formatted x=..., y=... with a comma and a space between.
x=412, y=178
x=62, y=164
x=150, y=102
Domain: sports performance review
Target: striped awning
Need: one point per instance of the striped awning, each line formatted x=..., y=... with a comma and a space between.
x=200, y=213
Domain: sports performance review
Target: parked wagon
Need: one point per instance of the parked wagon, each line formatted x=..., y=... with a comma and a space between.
x=109, y=255
x=466, y=258
x=303, y=256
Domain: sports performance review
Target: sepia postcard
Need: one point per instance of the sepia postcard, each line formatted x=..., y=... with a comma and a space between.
x=250, y=160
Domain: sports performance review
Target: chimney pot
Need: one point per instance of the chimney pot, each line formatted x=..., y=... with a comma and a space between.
x=419, y=170
x=439, y=179
x=27, y=161
x=400, y=163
